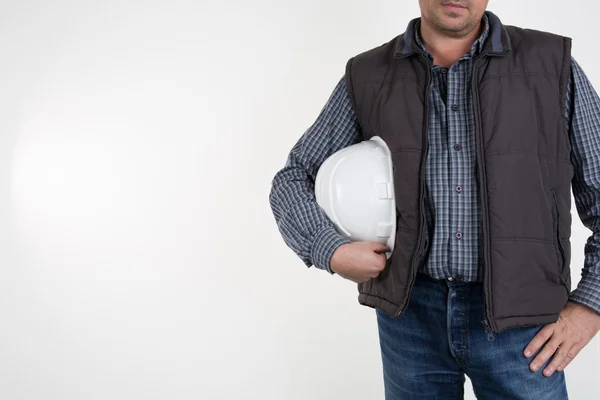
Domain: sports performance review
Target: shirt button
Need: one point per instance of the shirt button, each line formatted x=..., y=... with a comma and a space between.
x=458, y=235
x=454, y=107
x=444, y=70
x=459, y=188
x=457, y=146
x=451, y=279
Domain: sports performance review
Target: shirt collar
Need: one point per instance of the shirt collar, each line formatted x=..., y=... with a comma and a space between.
x=498, y=40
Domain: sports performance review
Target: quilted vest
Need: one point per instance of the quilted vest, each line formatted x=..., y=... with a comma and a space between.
x=524, y=172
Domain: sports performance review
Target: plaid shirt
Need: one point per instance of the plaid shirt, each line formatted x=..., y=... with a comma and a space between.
x=451, y=201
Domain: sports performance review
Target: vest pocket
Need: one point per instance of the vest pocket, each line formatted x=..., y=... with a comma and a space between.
x=556, y=237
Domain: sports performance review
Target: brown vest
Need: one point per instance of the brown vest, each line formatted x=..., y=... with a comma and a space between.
x=524, y=170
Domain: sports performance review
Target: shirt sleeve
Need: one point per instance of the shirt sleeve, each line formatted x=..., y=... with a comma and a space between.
x=583, y=121
x=304, y=226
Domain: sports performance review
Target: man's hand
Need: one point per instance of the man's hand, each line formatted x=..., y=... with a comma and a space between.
x=577, y=324
x=359, y=261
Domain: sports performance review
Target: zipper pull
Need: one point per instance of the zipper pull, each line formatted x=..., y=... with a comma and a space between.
x=488, y=330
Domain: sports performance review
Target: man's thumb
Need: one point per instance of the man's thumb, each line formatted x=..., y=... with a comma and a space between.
x=379, y=248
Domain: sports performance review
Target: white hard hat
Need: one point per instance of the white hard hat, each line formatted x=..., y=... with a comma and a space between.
x=355, y=188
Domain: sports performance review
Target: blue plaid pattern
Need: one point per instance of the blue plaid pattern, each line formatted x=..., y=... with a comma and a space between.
x=303, y=224
x=451, y=202
x=583, y=113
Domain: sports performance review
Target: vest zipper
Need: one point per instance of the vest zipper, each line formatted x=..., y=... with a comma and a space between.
x=417, y=253
x=488, y=322
x=488, y=330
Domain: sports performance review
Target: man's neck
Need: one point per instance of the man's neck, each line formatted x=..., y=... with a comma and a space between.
x=445, y=49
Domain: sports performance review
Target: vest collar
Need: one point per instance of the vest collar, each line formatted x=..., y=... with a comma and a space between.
x=497, y=42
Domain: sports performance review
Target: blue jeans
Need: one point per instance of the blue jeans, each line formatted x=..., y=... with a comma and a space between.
x=427, y=351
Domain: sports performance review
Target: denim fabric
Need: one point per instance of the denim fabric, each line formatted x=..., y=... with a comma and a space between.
x=427, y=352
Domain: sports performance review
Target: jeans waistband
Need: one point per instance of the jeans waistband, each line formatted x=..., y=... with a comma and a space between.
x=445, y=281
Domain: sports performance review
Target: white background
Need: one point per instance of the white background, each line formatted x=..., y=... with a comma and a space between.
x=139, y=258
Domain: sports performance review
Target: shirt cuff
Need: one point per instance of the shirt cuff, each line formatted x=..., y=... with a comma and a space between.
x=326, y=242
x=588, y=291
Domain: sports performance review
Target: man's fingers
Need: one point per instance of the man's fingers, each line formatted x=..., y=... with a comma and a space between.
x=547, y=351
x=562, y=355
x=538, y=340
x=571, y=354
